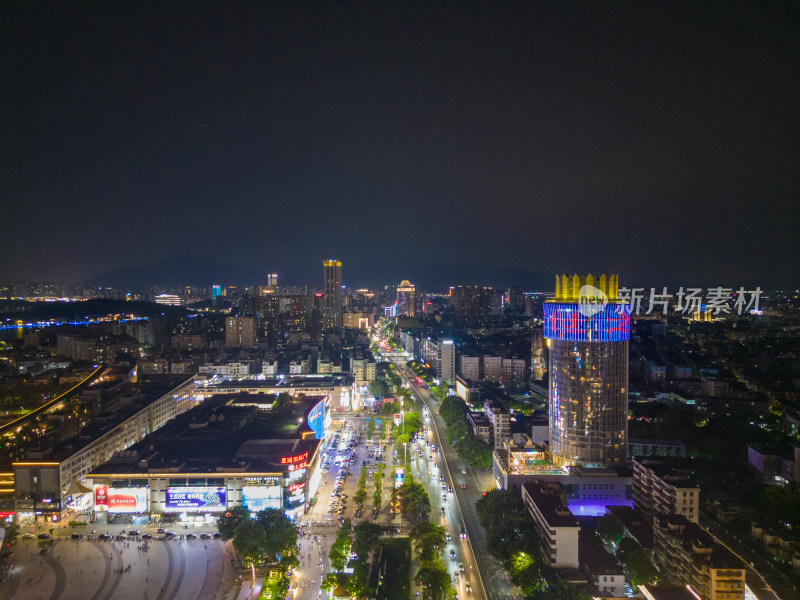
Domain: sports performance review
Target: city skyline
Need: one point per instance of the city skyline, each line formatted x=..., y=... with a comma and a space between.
x=432, y=137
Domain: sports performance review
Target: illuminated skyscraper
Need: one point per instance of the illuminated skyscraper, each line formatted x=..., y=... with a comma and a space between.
x=588, y=331
x=332, y=293
x=405, y=298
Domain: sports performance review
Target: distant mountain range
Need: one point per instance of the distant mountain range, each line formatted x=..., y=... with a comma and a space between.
x=180, y=270
x=206, y=271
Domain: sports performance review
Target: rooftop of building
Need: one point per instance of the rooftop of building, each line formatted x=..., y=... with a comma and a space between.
x=550, y=500
x=675, y=470
x=218, y=435
x=478, y=418
x=704, y=546
x=138, y=396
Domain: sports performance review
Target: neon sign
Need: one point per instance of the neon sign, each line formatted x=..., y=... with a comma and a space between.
x=288, y=460
x=296, y=487
x=297, y=467
x=567, y=322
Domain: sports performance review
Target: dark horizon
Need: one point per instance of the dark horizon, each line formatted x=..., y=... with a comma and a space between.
x=659, y=142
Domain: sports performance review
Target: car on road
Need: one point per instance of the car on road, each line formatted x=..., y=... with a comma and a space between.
x=463, y=533
x=133, y=532
x=216, y=536
x=191, y=536
x=205, y=536
x=444, y=497
x=161, y=530
x=77, y=536
x=43, y=536
x=461, y=567
x=147, y=536
x=443, y=510
x=463, y=486
x=27, y=536
x=455, y=575
x=104, y=536
x=453, y=554
x=467, y=587
x=448, y=537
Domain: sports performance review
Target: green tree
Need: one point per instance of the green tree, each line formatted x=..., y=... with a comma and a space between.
x=12, y=532
x=640, y=567
x=378, y=388
x=429, y=539
x=250, y=540
x=228, y=522
x=280, y=532
x=414, y=501
x=436, y=583
x=507, y=524
x=453, y=408
x=340, y=547
x=370, y=428
x=610, y=529
x=474, y=452
x=625, y=547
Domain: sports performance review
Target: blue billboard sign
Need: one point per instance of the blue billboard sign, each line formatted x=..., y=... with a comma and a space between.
x=196, y=499
x=316, y=420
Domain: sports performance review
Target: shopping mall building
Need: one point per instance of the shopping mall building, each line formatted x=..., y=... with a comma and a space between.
x=225, y=453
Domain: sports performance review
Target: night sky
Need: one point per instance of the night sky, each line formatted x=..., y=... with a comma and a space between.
x=660, y=141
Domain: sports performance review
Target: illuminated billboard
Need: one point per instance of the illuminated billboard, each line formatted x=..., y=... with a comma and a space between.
x=196, y=499
x=399, y=476
x=316, y=420
x=259, y=497
x=121, y=500
x=612, y=323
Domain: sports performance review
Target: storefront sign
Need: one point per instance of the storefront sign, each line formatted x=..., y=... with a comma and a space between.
x=196, y=499
x=288, y=460
x=121, y=500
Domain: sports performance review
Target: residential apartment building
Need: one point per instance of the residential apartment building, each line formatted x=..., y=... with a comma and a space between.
x=240, y=332
x=232, y=369
x=515, y=371
x=557, y=529
x=501, y=422
x=687, y=554
x=492, y=368
x=446, y=368
x=665, y=486
x=470, y=367
x=480, y=426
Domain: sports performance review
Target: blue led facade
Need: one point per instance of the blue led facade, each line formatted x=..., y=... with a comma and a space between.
x=564, y=321
x=316, y=420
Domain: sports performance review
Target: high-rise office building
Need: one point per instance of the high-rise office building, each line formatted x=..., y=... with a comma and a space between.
x=587, y=329
x=332, y=293
x=405, y=298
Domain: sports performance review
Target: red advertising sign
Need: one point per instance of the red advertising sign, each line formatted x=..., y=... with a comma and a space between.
x=101, y=496
x=297, y=467
x=296, y=487
x=288, y=460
